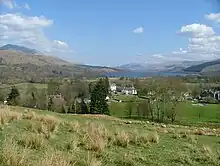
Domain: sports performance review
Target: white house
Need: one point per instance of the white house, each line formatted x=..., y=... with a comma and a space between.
x=113, y=87
x=217, y=95
x=129, y=91
x=107, y=98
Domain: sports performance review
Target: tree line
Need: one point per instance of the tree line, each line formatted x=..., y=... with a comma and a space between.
x=159, y=99
x=68, y=96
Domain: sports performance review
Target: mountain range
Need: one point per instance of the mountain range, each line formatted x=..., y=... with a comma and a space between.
x=22, y=63
x=20, y=49
x=179, y=66
x=18, y=64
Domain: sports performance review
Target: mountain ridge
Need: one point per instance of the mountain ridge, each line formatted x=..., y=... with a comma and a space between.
x=19, y=66
x=21, y=49
x=168, y=66
x=211, y=66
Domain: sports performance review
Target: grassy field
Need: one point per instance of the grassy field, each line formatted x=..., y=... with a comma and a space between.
x=127, y=98
x=194, y=114
x=187, y=113
x=22, y=87
x=35, y=137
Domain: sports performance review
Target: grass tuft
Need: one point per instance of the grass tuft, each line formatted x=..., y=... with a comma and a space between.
x=55, y=159
x=7, y=116
x=29, y=115
x=122, y=139
x=96, y=137
x=33, y=141
x=12, y=155
x=153, y=137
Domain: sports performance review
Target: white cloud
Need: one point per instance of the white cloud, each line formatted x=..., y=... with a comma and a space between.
x=138, y=30
x=20, y=22
x=60, y=44
x=204, y=44
x=197, y=30
x=213, y=17
x=28, y=31
x=13, y=5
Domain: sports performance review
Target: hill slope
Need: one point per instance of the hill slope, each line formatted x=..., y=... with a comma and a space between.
x=20, y=49
x=17, y=66
x=160, y=67
x=212, y=66
x=35, y=138
x=12, y=57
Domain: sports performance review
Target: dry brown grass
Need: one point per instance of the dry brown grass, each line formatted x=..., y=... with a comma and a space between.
x=99, y=116
x=162, y=130
x=96, y=137
x=45, y=125
x=199, y=132
x=29, y=115
x=51, y=122
x=72, y=144
x=94, y=162
x=7, y=116
x=122, y=139
x=33, y=141
x=74, y=126
x=12, y=155
x=138, y=138
x=153, y=137
x=55, y=159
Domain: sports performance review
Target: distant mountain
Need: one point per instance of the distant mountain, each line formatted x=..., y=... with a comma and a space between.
x=168, y=66
x=212, y=66
x=20, y=49
x=132, y=66
x=23, y=64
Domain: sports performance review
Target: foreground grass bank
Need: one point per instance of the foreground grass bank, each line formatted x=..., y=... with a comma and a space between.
x=34, y=137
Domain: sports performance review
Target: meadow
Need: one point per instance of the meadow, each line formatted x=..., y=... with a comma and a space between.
x=188, y=113
x=35, y=137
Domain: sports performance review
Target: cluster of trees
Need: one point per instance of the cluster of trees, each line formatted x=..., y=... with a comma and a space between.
x=160, y=98
x=68, y=96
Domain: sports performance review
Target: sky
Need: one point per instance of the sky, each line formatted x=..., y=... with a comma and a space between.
x=114, y=32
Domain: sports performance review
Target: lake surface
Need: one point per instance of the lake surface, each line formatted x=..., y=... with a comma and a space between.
x=145, y=74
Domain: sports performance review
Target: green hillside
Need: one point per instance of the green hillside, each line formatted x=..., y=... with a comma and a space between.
x=35, y=137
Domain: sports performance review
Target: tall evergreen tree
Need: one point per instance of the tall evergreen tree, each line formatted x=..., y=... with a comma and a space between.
x=50, y=104
x=106, y=82
x=84, y=108
x=13, y=95
x=98, y=103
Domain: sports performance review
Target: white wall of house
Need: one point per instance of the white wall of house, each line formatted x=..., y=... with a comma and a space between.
x=113, y=87
x=134, y=92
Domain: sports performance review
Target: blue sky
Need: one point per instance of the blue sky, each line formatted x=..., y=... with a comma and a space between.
x=114, y=32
